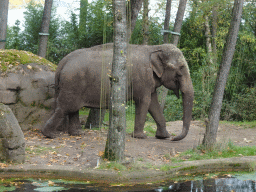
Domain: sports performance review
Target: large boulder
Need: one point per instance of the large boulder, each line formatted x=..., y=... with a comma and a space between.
x=28, y=89
x=12, y=142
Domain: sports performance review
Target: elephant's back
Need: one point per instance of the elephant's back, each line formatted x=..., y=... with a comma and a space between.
x=81, y=76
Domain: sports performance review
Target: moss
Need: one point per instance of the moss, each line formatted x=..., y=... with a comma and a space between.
x=11, y=57
x=237, y=165
x=189, y=168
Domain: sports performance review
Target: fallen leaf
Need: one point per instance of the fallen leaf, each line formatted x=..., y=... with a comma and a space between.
x=101, y=153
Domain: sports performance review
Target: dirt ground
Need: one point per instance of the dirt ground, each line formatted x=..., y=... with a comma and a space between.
x=85, y=151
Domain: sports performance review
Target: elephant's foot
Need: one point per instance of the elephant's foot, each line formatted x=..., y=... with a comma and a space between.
x=76, y=132
x=162, y=134
x=139, y=135
x=50, y=134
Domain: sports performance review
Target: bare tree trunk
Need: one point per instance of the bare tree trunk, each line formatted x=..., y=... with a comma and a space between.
x=167, y=20
x=3, y=22
x=174, y=40
x=135, y=9
x=178, y=21
x=214, y=113
x=214, y=33
x=45, y=28
x=115, y=144
x=145, y=22
x=208, y=39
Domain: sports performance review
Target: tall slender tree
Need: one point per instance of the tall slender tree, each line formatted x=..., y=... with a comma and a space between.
x=117, y=122
x=145, y=22
x=45, y=28
x=3, y=22
x=167, y=20
x=178, y=22
x=174, y=40
x=214, y=113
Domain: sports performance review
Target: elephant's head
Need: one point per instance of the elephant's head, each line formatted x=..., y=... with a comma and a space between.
x=172, y=70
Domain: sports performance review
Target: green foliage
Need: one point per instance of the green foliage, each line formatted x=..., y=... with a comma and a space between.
x=243, y=106
x=155, y=36
x=173, y=109
x=13, y=36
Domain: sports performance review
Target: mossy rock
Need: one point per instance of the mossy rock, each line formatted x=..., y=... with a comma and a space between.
x=10, y=58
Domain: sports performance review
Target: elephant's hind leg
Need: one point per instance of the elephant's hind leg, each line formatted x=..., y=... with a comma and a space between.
x=49, y=130
x=157, y=113
x=74, y=124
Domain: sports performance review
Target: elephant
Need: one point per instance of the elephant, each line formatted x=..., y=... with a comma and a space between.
x=82, y=74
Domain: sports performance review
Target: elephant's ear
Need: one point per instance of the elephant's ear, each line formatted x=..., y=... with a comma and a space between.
x=156, y=59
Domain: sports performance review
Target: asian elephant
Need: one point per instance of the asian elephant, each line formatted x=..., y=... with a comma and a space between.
x=80, y=75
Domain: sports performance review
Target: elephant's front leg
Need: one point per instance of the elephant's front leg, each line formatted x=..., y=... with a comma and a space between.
x=141, y=110
x=74, y=124
x=157, y=113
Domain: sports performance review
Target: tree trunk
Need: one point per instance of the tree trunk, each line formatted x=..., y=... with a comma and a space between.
x=132, y=14
x=145, y=22
x=178, y=21
x=135, y=9
x=174, y=40
x=214, y=33
x=167, y=20
x=45, y=28
x=115, y=144
x=3, y=22
x=208, y=39
x=214, y=113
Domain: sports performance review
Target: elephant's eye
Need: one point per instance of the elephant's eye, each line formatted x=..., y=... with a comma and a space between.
x=181, y=67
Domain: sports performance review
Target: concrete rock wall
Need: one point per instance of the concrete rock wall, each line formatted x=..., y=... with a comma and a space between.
x=12, y=142
x=28, y=90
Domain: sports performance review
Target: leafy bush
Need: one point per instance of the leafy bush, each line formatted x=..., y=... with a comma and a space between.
x=173, y=108
x=246, y=105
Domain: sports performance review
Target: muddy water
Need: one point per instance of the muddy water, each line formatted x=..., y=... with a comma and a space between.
x=243, y=183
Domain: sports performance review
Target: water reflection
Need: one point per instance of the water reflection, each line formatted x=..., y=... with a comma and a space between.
x=237, y=184
x=214, y=185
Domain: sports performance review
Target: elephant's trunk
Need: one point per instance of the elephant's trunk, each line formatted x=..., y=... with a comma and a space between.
x=188, y=98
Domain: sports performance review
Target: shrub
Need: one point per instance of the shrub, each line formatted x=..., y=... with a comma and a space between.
x=246, y=105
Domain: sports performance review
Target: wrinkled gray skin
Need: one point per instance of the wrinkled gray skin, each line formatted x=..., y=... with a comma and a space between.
x=78, y=84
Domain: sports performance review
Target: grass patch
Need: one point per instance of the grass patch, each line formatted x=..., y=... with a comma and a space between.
x=221, y=151
x=10, y=58
x=167, y=167
x=243, y=124
x=113, y=166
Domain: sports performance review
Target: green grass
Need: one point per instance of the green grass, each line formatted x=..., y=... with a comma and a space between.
x=112, y=165
x=244, y=124
x=220, y=151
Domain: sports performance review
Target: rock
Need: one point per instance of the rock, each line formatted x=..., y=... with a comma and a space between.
x=12, y=147
x=8, y=97
x=28, y=90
